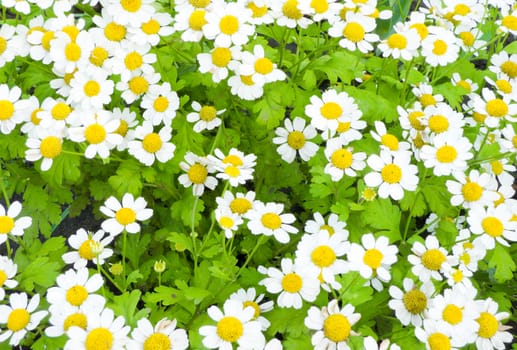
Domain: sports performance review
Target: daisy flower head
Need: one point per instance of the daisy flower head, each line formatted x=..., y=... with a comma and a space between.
x=332, y=108
x=103, y=330
x=132, y=59
x=495, y=108
x=98, y=130
x=228, y=221
x=260, y=11
x=491, y=334
x=504, y=86
x=247, y=87
x=137, y=85
x=355, y=32
x=473, y=189
x=425, y=95
x=75, y=288
x=342, y=160
x=347, y=131
x=502, y=62
x=373, y=259
x=468, y=254
x=323, y=257
x=441, y=118
x=9, y=224
x=292, y=283
x=164, y=335
x=131, y=13
x=11, y=108
x=294, y=138
x=57, y=114
x=64, y=316
x=234, y=325
x=403, y=43
x=8, y=270
x=446, y=154
x=124, y=215
x=89, y=247
x=268, y=219
x=150, y=32
x=430, y=259
x=508, y=139
x=205, y=117
x=508, y=22
x=493, y=224
x=288, y=13
x=68, y=54
x=466, y=83
x=240, y=203
x=90, y=89
x=333, y=325
x=501, y=170
x=235, y=167
x=332, y=225
x=411, y=303
x=387, y=140
x=19, y=317
x=392, y=174
x=219, y=61
x=109, y=32
x=149, y=146
x=8, y=40
x=45, y=144
x=127, y=119
x=259, y=66
x=437, y=335
x=440, y=47
x=320, y=10
x=190, y=22
x=197, y=174
x=249, y=297
x=228, y=23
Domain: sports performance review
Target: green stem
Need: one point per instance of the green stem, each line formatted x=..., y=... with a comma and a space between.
x=124, y=244
x=106, y=274
x=100, y=273
x=282, y=45
x=262, y=239
x=193, y=234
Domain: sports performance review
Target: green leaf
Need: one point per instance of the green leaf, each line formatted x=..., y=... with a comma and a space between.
x=184, y=209
x=413, y=201
x=446, y=232
x=164, y=295
x=65, y=167
x=127, y=179
x=40, y=272
x=126, y=305
x=269, y=110
x=511, y=48
x=381, y=214
x=181, y=241
x=339, y=64
x=503, y=263
x=436, y=198
x=373, y=106
x=353, y=290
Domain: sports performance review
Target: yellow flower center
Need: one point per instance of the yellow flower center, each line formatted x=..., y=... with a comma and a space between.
x=60, y=111
x=341, y=158
x=465, y=258
x=247, y=80
x=114, y=31
x=232, y=171
x=336, y=328
x=438, y=123
x=271, y=221
x=452, y=314
x=258, y=11
x=323, y=256
x=331, y=110
x=439, y=341
x=72, y=52
x=50, y=147
x=427, y=100
x=292, y=283
x=229, y=329
x=510, y=22
x=85, y=250
x=354, y=32
x=229, y=25
x=433, y=259
x=290, y=10
x=457, y=276
x=263, y=65
x=397, y=41
x=414, y=117
x=510, y=69
x=6, y=224
x=122, y=128
x=161, y=104
x=415, y=301
x=296, y=140
x=131, y=5
x=233, y=159
x=133, y=60
x=152, y=142
x=138, y=85
x=471, y=191
x=6, y=109
x=328, y=228
x=492, y=226
x=3, y=45
x=391, y=173
x=3, y=277
x=77, y=319
x=240, y=206
x=461, y=9
x=320, y=6
x=125, y=216
x=95, y=133
x=465, y=84
x=439, y=47
x=514, y=141
x=480, y=118
x=369, y=194
x=446, y=154
x=76, y=295
x=504, y=86
x=116, y=269
x=72, y=31
x=488, y=325
x=373, y=258
x=199, y=3
x=98, y=56
x=99, y=339
x=18, y=319
x=343, y=127
x=157, y=341
x=390, y=141
x=497, y=167
x=91, y=88
x=197, y=19
x=226, y=222
x=197, y=173
x=151, y=27
x=255, y=307
x=221, y=56
x=34, y=116
x=207, y=113
x=497, y=108
x=46, y=39
x=421, y=29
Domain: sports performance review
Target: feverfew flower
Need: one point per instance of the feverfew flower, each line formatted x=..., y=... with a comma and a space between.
x=495, y=108
x=411, y=305
x=355, y=32
x=124, y=215
x=288, y=13
x=89, y=247
x=440, y=47
x=474, y=189
x=7, y=271
x=90, y=89
x=446, y=154
x=44, y=143
x=11, y=108
x=260, y=67
x=227, y=24
x=293, y=140
x=429, y=259
x=342, y=160
x=491, y=333
x=403, y=43
x=76, y=288
x=249, y=298
x=240, y=203
x=268, y=219
x=149, y=146
x=333, y=225
x=132, y=13
x=435, y=334
x=493, y=224
x=8, y=222
x=197, y=169
x=228, y=221
x=64, y=316
x=204, y=117
x=235, y=167
x=164, y=335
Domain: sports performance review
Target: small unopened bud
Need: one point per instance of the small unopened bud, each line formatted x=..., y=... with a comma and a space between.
x=116, y=269
x=96, y=247
x=159, y=266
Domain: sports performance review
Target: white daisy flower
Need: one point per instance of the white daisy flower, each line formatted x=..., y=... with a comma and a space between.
x=467, y=253
x=259, y=66
x=19, y=317
x=9, y=224
x=333, y=325
x=446, y=154
x=31, y=120
x=63, y=316
x=197, y=174
x=466, y=83
x=288, y=13
x=502, y=62
x=411, y=305
x=247, y=87
x=373, y=259
x=12, y=108
x=494, y=108
x=90, y=89
x=508, y=140
x=430, y=259
x=387, y=140
x=435, y=334
x=204, y=117
x=89, y=247
x=491, y=334
x=333, y=225
x=102, y=329
x=293, y=140
x=158, y=26
x=46, y=144
x=240, y=203
x=471, y=190
x=148, y=145
x=501, y=170
x=342, y=160
x=137, y=85
x=164, y=335
x=392, y=173
x=235, y=325
x=441, y=118
x=68, y=54
x=347, y=131
x=76, y=288
x=261, y=13
x=127, y=119
x=235, y=167
x=227, y=24
x=190, y=21
x=292, y=284
x=127, y=12
x=109, y=31
x=57, y=114
x=8, y=39
x=268, y=219
x=228, y=221
x=508, y=22
x=249, y=298
x=132, y=59
x=322, y=256
x=355, y=32
x=505, y=87
x=320, y=10
x=440, y=47
x=493, y=224
x=8, y=270
x=219, y=61
x=124, y=215
x=403, y=43
x=425, y=95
